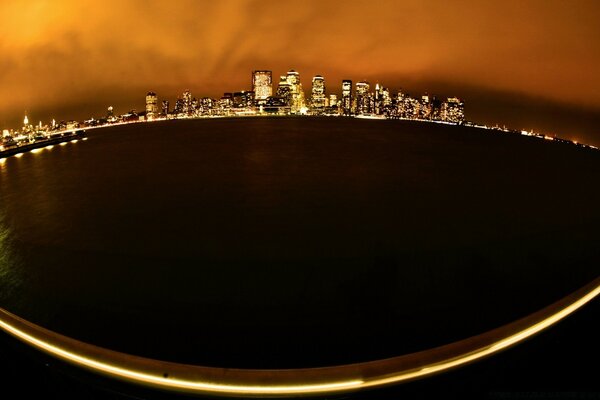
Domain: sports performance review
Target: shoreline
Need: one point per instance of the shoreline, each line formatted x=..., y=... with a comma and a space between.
x=79, y=133
x=16, y=151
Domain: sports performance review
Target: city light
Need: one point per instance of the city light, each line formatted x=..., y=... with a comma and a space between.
x=261, y=100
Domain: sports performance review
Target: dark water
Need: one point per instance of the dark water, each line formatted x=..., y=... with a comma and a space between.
x=293, y=242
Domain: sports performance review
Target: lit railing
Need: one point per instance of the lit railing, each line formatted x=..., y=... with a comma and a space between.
x=292, y=382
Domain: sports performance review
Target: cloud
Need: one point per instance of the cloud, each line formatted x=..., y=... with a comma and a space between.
x=61, y=54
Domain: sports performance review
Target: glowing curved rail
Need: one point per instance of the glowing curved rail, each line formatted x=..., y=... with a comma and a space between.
x=291, y=382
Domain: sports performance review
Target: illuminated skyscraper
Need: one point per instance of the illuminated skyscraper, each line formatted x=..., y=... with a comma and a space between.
x=425, y=106
x=378, y=99
x=187, y=102
x=333, y=100
x=293, y=77
x=346, y=97
x=383, y=100
x=165, y=107
x=318, y=98
x=284, y=91
x=151, y=105
x=262, y=84
x=387, y=98
x=453, y=110
x=363, y=101
x=297, y=94
x=25, y=121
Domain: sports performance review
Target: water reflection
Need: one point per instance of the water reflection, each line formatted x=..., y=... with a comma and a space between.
x=11, y=279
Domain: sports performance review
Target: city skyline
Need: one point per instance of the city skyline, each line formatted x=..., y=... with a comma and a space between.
x=286, y=99
x=529, y=65
x=263, y=98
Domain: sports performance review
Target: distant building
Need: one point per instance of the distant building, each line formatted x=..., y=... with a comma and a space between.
x=151, y=105
x=333, y=100
x=363, y=100
x=425, y=107
x=318, y=99
x=179, y=107
x=453, y=110
x=226, y=101
x=262, y=84
x=207, y=105
x=165, y=108
x=346, y=97
x=187, y=102
x=297, y=94
x=284, y=90
x=243, y=99
x=387, y=100
x=383, y=100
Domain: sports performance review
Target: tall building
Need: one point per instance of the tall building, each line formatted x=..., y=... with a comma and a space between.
x=187, y=102
x=346, y=97
x=378, y=109
x=297, y=94
x=151, y=105
x=165, y=108
x=363, y=98
x=243, y=99
x=383, y=100
x=425, y=106
x=262, y=84
x=453, y=110
x=333, y=100
x=178, y=109
x=318, y=99
x=284, y=90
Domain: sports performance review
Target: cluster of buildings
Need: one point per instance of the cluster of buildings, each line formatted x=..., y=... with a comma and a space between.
x=288, y=98
x=266, y=97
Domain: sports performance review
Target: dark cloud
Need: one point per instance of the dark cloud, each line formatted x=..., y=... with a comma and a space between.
x=81, y=56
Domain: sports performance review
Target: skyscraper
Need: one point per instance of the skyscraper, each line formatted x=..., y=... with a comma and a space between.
x=284, y=91
x=318, y=98
x=363, y=101
x=425, y=106
x=262, y=84
x=187, y=102
x=151, y=105
x=346, y=97
x=297, y=94
x=333, y=100
x=378, y=109
x=453, y=110
x=165, y=107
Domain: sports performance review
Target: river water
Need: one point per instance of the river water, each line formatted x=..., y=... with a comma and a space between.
x=293, y=242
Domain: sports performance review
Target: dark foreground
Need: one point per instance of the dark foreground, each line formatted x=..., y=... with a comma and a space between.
x=557, y=364
x=273, y=243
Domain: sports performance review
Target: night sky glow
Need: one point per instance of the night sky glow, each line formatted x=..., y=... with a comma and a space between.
x=526, y=64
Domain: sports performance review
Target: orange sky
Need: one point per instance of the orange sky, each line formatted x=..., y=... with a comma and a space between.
x=73, y=58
